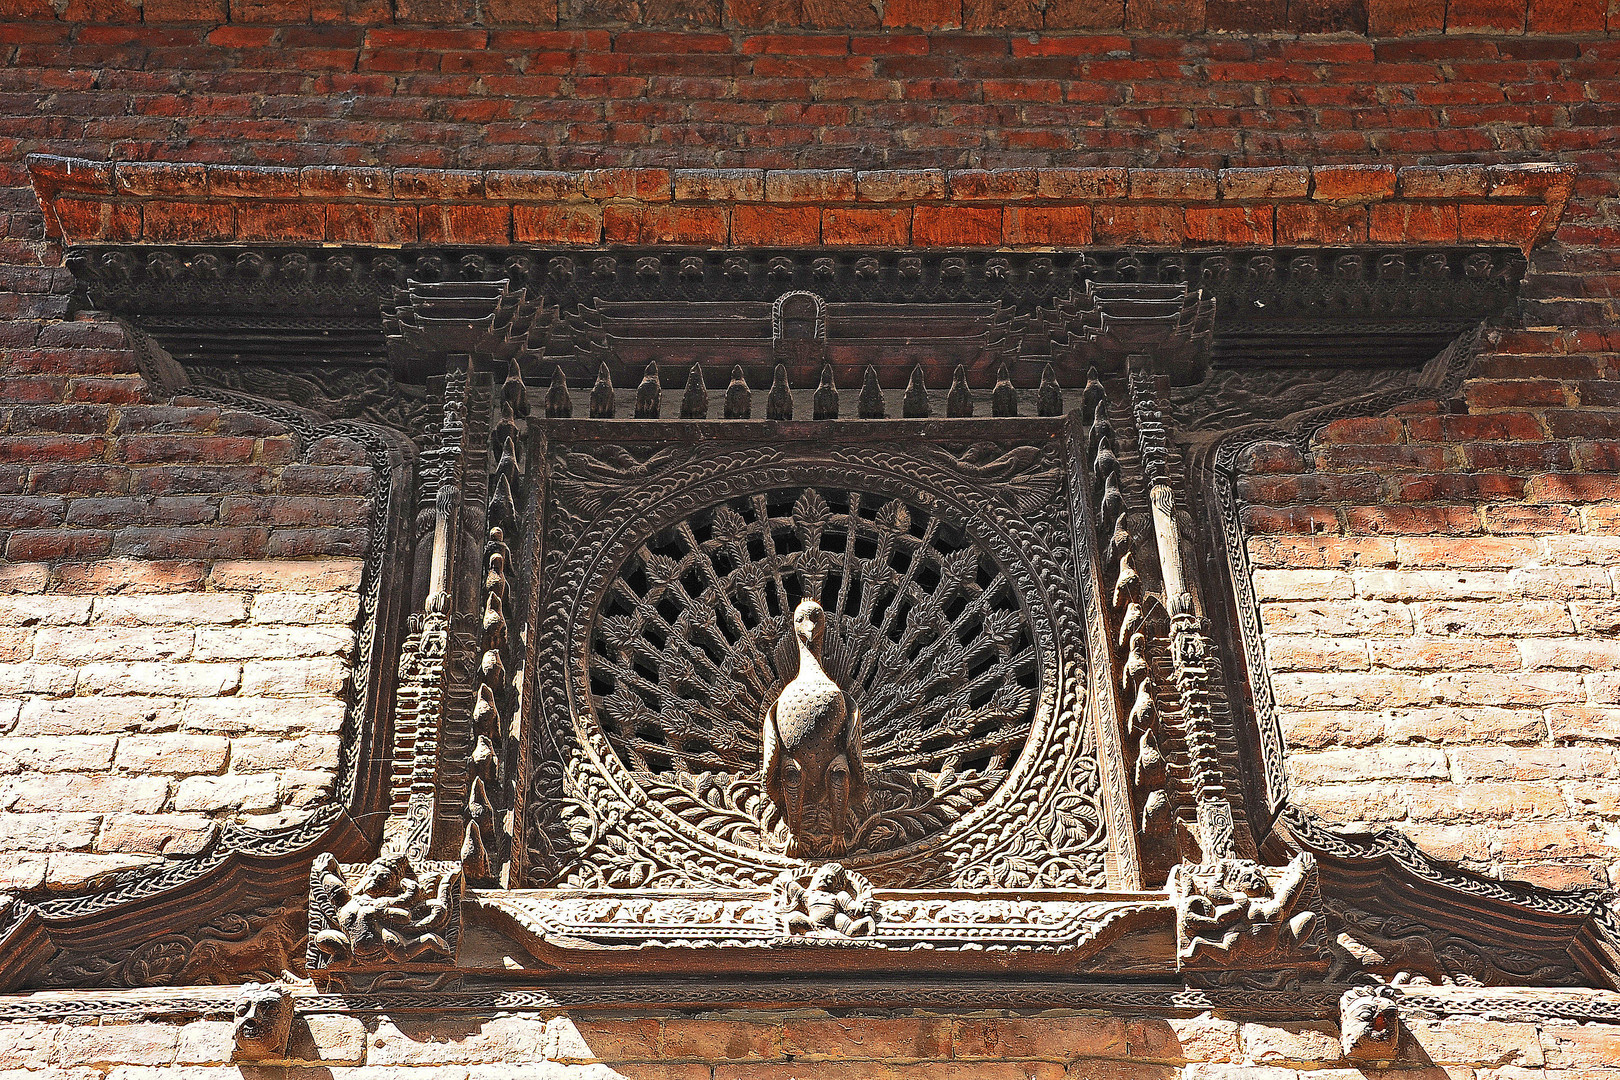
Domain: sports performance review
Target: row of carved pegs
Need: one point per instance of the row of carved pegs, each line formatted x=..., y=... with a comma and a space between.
x=482, y=850
x=737, y=402
x=1126, y=597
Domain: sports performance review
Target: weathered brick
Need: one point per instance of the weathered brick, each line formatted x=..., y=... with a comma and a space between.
x=248, y=793
x=1312, y=1043
x=81, y=792
x=171, y=609
x=1486, y=801
x=498, y=1039
x=58, y=753
x=867, y=1038
x=1439, y=654
x=164, y=680
x=1318, y=654
x=1340, y=618
x=186, y=754
x=97, y=714
x=1370, y=763
x=272, y=642
x=250, y=755
x=161, y=834
x=237, y=716
x=1533, y=763
x=118, y=1044
x=286, y=575
x=80, y=644
x=1465, y=724
x=1495, y=618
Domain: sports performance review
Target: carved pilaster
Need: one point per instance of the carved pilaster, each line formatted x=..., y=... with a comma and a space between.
x=456, y=696
x=1191, y=652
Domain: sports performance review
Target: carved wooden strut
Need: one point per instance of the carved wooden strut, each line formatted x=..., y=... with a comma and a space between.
x=812, y=742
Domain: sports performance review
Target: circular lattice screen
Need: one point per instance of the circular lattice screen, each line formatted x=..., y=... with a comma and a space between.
x=926, y=634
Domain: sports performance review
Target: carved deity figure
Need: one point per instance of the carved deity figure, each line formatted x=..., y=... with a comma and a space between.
x=836, y=903
x=386, y=915
x=1233, y=911
x=264, y=1016
x=812, y=742
x=1369, y=1023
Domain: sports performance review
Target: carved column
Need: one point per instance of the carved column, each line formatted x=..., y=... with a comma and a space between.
x=1192, y=654
x=458, y=668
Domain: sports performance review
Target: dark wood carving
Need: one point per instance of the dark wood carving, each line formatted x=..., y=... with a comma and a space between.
x=931, y=529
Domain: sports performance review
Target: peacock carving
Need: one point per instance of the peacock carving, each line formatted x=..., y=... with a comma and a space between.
x=812, y=739
x=915, y=633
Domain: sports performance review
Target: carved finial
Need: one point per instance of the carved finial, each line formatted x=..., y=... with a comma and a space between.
x=1049, y=401
x=915, y=402
x=1093, y=395
x=695, y=402
x=739, y=402
x=825, y=403
x=1003, y=399
x=870, y=406
x=648, y=393
x=779, y=403
x=514, y=392
x=958, y=402
x=558, y=403
x=602, y=394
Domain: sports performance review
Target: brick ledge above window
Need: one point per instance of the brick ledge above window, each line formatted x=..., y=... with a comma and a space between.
x=98, y=202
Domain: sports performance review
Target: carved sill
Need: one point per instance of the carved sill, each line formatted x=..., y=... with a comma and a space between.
x=741, y=931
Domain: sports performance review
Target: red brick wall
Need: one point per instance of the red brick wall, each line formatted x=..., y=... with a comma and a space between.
x=1523, y=464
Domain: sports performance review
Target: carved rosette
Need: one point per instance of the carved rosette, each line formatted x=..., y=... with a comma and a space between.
x=957, y=631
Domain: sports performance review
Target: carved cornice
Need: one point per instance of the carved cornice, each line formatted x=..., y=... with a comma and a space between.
x=1280, y=308
x=164, y=203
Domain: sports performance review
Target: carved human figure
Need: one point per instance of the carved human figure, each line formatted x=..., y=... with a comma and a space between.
x=385, y=916
x=264, y=1016
x=812, y=743
x=1369, y=1023
x=1236, y=912
x=831, y=903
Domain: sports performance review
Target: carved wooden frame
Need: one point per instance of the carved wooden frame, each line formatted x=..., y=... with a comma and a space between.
x=1121, y=412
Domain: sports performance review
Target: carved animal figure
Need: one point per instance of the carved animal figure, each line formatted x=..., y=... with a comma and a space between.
x=264, y=1016
x=1370, y=1023
x=812, y=742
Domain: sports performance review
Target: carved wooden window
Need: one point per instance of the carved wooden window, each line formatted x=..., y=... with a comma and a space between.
x=1007, y=483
